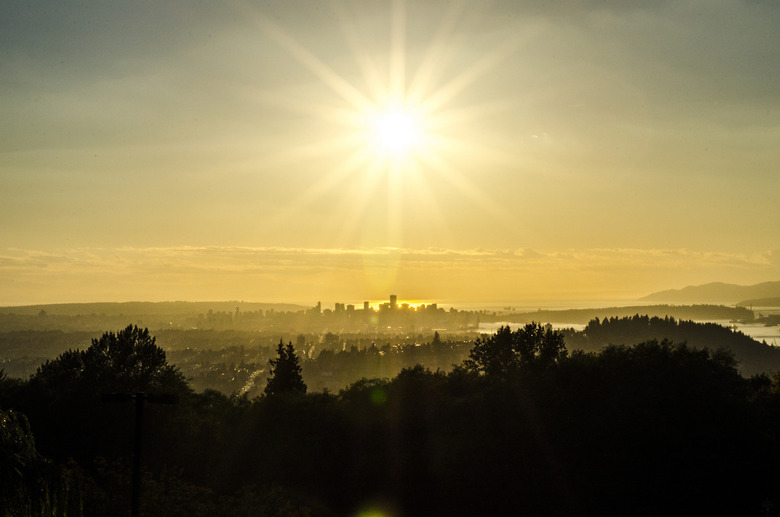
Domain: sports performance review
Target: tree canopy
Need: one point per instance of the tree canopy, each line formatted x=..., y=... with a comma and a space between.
x=532, y=346
x=29, y=483
x=285, y=372
x=655, y=428
x=127, y=361
x=63, y=399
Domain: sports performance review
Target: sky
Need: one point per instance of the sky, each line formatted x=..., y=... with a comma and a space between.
x=536, y=151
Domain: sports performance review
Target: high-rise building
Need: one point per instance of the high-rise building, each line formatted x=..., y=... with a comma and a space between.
x=393, y=301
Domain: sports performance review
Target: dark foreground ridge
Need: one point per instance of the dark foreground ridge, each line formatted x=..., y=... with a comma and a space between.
x=521, y=427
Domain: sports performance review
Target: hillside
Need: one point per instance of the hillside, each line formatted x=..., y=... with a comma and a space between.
x=716, y=292
x=752, y=357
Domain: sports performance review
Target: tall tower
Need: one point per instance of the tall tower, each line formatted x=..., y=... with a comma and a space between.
x=393, y=301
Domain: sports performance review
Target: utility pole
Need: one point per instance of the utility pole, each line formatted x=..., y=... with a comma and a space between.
x=139, y=398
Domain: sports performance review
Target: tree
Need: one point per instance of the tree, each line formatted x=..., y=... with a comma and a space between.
x=17, y=452
x=285, y=372
x=127, y=361
x=533, y=346
x=63, y=399
x=8, y=387
x=29, y=483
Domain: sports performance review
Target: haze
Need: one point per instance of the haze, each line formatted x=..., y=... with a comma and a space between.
x=580, y=150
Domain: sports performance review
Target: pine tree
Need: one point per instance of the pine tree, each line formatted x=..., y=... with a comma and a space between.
x=285, y=372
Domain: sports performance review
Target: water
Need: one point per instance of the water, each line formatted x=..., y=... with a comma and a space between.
x=757, y=331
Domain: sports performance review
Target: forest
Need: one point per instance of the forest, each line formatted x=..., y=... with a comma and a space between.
x=235, y=360
x=528, y=421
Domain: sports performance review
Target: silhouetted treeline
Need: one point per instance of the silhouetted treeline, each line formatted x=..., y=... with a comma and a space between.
x=235, y=361
x=232, y=360
x=753, y=357
x=523, y=427
x=771, y=320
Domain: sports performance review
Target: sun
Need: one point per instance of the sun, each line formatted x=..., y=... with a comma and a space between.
x=396, y=129
x=396, y=132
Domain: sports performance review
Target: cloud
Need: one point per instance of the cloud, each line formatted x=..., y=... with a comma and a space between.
x=248, y=258
x=306, y=274
x=659, y=125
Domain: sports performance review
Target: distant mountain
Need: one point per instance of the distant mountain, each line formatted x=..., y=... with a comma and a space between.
x=716, y=292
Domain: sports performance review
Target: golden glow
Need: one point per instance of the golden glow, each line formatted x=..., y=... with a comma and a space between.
x=397, y=132
x=412, y=304
x=257, y=145
x=393, y=136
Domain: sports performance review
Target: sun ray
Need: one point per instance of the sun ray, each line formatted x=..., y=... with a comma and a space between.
x=312, y=150
x=398, y=52
x=325, y=112
x=334, y=81
x=469, y=114
x=449, y=173
x=351, y=165
x=471, y=74
x=400, y=131
x=435, y=53
x=358, y=206
x=368, y=67
x=394, y=207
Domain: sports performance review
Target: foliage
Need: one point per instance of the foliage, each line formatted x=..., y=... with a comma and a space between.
x=655, y=428
x=17, y=453
x=63, y=398
x=533, y=346
x=753, y=357
x=285, y=372
x=8, y=387
x=30, y=485
x=126, y=361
